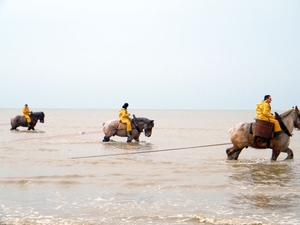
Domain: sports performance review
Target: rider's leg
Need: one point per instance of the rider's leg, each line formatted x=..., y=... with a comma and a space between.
x=277, y=128
x=128, y=128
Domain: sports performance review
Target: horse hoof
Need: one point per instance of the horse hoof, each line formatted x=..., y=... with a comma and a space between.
x=105, y=139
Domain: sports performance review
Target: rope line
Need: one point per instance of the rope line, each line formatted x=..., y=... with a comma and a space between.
x=141, y=152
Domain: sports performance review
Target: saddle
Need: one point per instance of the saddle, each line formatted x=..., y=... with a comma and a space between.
x=263, y=130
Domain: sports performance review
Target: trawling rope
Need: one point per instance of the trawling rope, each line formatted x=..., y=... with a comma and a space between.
x=141, y=152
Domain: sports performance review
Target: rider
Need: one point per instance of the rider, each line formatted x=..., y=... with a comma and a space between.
x=125, y=118
x=26, y=112
x=263, y=112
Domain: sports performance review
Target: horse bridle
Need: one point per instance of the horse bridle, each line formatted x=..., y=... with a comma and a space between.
x=138, y=128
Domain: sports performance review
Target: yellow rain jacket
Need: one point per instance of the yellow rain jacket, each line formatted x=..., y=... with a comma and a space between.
x=124, y=117
x=263, y=112
x=26, y=114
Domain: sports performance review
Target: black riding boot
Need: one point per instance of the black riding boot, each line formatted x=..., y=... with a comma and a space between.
x=28, y=126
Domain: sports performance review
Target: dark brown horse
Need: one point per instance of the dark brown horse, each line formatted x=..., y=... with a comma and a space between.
x=241, y=137
x=139, y=125
x=18, y=121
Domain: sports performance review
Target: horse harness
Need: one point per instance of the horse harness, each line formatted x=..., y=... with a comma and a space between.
x=135, y=123
x=282, y=125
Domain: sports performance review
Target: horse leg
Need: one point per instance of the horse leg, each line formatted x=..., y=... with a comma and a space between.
x=289, y=152
x=14, y=127
x=275, y=154
x=136, y=137
x=233, y=153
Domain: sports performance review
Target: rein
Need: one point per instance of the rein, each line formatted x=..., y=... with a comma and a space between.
x=282, y=124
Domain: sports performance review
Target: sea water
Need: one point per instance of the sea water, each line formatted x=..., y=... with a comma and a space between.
x=62, y=173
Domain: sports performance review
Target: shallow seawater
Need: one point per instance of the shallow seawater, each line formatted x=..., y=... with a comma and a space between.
x=62, y=173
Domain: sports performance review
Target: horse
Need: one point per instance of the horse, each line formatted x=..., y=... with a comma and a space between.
x=21, y=120
x=139, y=125
x=241, y=137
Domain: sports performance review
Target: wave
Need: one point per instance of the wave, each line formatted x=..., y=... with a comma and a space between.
x=137, y=220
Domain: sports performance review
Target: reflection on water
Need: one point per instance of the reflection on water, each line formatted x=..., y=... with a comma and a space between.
x=265, y=201
x=265, y=186
x=136, y=146
x=29, y=131
x=263, y=174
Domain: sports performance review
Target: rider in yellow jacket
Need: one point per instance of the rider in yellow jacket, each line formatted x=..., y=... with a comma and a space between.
x=263, y=112
x=26, y=112
x=125, y=118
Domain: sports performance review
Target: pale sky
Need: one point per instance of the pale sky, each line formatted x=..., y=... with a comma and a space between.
x=157, y=54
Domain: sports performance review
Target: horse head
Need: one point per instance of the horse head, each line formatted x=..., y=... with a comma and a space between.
x=39, y=115
x=144, y=125
x=291, y=119
x=297, y=120
x=148, y=128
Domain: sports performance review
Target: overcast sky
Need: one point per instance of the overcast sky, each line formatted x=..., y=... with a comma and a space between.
x=157, y=54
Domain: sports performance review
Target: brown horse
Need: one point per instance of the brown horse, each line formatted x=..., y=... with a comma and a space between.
x=241, y=137
x=21, y=120
x=139, y=125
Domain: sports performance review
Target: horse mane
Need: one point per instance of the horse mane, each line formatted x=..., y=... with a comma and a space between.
x=286, y=113
x=143, y=119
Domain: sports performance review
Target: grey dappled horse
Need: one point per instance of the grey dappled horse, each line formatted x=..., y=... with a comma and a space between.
x=241, y=137
x=139, y=125
x=18, y=121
